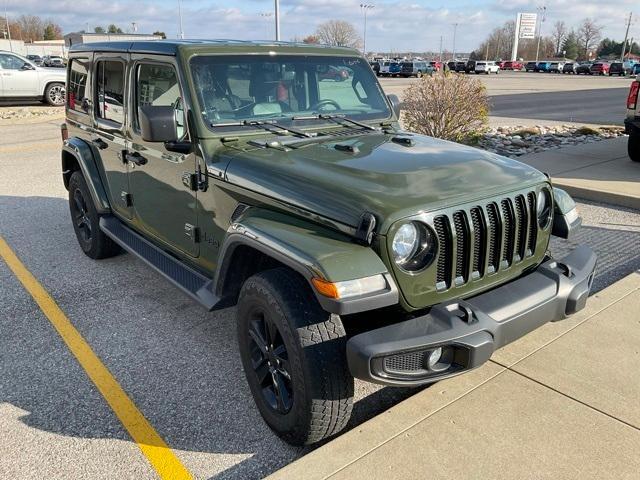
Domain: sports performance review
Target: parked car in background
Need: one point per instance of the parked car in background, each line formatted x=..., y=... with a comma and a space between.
x=556, y=67
x=513, y=65
x=452, y=66
x=470, y=67
x=618, y=68
x=600, y=68
x=570, y=67
x=384, y=68
x=461, y=67
x=487, y=67
x=531, y=67
x=636, y=69
x=337, y=74
x=584, y=68
x=37, y=59
x=415, y=69
x=375, y=66
x=53, y=61
x=22, y=79
x=394, y=69
x=632, y=122
x=543, y=67
x=501, y=65
x=437, y=65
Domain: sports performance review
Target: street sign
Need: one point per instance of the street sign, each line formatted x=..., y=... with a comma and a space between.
x=528, y=22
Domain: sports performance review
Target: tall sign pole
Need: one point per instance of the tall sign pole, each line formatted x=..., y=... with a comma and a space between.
x=516, y=37
x=6, y=17
x=277, y=8
x=542, y=9
x=455, y=28
x=626, y=36
x=181, y=32
x=526, y=24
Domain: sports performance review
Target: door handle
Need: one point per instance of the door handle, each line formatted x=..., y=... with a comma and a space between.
x=99, y=143
x=135, y=158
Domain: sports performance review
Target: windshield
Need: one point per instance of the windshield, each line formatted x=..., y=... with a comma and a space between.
x=248, y=88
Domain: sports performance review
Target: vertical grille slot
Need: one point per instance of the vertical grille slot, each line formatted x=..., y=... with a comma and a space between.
x=479, y=242
x=495, y=239
x=462, y=247
x=443, y=269
x=509, y=231
x=521, y=216
x=533, y=231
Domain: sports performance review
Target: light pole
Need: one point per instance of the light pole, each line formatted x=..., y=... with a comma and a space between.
x=6, y=18
x=455, y=29
x=543, y=11
x=365, y=7
x=181, y=32
x=277, y=12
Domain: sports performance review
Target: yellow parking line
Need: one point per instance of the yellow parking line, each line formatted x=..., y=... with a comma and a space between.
x=163, y=460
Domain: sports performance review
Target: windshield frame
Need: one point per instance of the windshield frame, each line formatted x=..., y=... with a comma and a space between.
x=288, y=119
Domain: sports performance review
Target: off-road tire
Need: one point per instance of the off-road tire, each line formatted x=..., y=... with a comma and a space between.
x=86, y=221
x=633, y=147
x=315, y=342
x=54, y=94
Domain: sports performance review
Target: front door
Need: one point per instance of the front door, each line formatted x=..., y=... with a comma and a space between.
x=16, y=80
x=164, y=204
x=107, y=137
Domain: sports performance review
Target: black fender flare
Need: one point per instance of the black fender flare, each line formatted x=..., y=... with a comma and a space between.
x=83, y=155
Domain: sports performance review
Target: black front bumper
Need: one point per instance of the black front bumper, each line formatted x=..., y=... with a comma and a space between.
x=469, y=331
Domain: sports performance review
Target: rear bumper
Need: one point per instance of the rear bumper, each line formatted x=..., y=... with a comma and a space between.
x=469, y=331
x=632, y=126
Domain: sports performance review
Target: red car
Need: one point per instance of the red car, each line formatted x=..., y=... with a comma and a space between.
x=334, y=73
x=437, y=66
x=599, y=68
x=513, y=66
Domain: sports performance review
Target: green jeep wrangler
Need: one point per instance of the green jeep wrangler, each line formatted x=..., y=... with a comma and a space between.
x=252, y=174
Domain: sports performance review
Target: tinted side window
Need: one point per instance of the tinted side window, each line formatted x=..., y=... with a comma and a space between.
x=158, y=85
x=110, y=91
x=11, y=62
x=77, y=86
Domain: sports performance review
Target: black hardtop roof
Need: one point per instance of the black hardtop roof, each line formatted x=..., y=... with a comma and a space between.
x=170, y=47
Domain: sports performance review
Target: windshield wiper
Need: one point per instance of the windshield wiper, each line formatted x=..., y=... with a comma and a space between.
x=339, y=119
x=269, y=126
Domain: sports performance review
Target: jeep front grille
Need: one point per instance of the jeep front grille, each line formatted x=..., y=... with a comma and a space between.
x=485, y=238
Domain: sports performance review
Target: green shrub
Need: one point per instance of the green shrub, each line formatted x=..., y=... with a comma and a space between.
x=451, y=107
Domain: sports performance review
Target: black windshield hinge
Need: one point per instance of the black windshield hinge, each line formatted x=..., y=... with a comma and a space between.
x=366, y=227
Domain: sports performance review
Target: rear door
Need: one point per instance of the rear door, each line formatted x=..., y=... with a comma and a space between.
x=108, y=136
x=164, y=203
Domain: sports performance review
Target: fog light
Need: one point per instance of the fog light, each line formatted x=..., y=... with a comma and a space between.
x=434, y=358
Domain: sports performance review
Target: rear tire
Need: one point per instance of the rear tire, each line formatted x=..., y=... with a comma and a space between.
x=86, y=221
x=54, y=94
x=289, y=344
x=633, y=147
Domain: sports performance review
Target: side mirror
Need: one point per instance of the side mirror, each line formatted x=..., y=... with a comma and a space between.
x=566, y=219
x=27, y=66
x=395, y=103
x=158, y=123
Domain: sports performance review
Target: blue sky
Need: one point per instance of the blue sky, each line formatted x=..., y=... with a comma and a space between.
x=400, y=25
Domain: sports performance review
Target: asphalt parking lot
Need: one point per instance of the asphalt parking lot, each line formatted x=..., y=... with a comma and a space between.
x=177, y=363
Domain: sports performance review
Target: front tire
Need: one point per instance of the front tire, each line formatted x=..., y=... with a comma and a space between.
x=294, y=357
x=54, y=94
x=633, y=147
x=86, y=221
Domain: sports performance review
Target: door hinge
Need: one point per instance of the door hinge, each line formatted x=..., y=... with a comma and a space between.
x=190, y=180
x=192, y=232
x=126, y=199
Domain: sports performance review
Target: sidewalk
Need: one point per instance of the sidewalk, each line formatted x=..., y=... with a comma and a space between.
x=601, y=171
x=561, y=402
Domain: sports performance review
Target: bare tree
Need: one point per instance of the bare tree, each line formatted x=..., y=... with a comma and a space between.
x=338, y=33
x=31, y=27
x=589, y=35
x=558, y=34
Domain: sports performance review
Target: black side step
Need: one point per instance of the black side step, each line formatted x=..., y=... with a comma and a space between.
x=194, y=284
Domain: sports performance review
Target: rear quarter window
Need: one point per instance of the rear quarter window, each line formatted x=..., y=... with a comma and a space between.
x=77, y=85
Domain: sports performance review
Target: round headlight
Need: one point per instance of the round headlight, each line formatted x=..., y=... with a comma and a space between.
x=405, y=243
x=543, y=208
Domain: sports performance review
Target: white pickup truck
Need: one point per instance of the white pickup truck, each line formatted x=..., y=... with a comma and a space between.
x=487, y=67
x=20, y=78
x=632, y=122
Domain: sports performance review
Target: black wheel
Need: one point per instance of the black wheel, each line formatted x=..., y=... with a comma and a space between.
x=293, y=354
x=94, y=243
x=54, y=94
x=633, y=147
